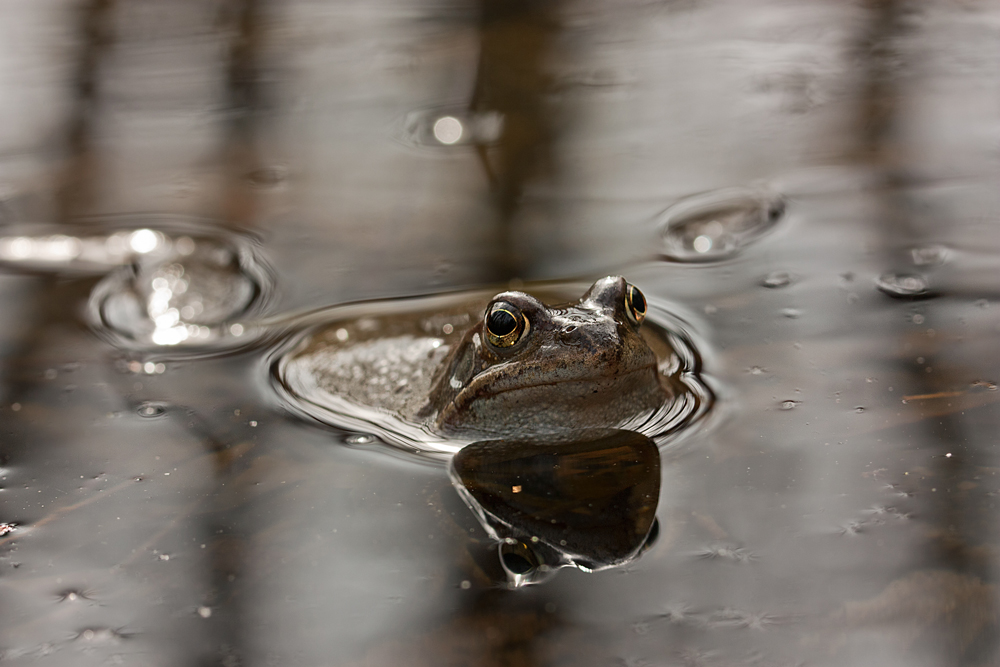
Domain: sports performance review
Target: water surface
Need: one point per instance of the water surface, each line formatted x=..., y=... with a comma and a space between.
x=159, y=506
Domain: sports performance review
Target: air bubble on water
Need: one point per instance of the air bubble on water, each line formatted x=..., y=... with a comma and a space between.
x=789, y=405
x=360, y=439
x=756, y=370
x=150, y=409
x=268, y=176
x=450, y=125
x=448, y=130
x=73, y=595
x=859, y=409
x=776, y=279
x=902, y=285
x=726, y=552
x=984, y=384
x=929, y=255
x=98, y=635
x=717, y=225
x=791, y=313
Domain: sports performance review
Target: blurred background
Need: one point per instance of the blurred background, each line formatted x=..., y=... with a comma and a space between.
x=838, y=508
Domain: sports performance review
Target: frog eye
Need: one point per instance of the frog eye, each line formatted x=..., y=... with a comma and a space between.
x=635, y=305
x=505, y=324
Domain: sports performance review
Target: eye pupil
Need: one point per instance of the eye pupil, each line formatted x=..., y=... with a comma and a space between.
x=505, y=325
x=638, y=301
x=501, y=323
x=635, y=304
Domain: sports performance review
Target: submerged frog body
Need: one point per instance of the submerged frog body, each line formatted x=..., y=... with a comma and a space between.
x=515, y=367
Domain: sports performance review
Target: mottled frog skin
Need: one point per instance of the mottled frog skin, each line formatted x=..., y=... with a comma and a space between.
x=582, y=365
x=504, y=366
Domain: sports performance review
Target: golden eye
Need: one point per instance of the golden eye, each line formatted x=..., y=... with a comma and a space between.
x=635, y=305
x=505, y=324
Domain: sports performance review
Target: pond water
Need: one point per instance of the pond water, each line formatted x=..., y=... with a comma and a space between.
x=804, y=192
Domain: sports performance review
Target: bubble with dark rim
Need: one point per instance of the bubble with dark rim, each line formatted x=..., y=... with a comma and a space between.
x=903, y=285
x=360, y=439
x=718, y=225
x=776, y=280
x=151, y=409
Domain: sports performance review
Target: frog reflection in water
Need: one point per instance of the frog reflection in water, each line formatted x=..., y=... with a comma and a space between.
x=523, y=368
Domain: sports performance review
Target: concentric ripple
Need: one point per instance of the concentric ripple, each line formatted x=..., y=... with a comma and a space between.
x=186, y=290
x=379, y=348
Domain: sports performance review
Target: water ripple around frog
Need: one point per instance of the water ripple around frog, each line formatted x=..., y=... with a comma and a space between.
x=367, y=367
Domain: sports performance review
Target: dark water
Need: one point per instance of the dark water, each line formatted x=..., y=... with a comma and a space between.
x=814, y=183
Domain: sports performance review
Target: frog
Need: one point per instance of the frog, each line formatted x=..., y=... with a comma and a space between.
x=531, y=368
x=468, y=370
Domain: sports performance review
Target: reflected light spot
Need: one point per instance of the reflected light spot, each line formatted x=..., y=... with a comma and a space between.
x=702, y=244
x=59, y=248
x=143, y=241
x=448, y=130
x=184, y=245
x=236, y=329
x=115, y=244
x=18, y=248
x=170, y=336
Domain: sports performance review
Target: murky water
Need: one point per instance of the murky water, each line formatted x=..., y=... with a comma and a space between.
x=806, y=194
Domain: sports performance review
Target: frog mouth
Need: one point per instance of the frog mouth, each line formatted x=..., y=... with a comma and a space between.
x=491, y=384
